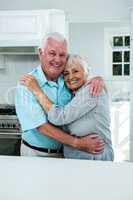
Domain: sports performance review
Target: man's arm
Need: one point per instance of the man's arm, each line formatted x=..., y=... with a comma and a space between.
x=91, y=143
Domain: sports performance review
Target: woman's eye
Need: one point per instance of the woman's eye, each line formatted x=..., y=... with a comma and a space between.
x=75, y=71
x=65, y=74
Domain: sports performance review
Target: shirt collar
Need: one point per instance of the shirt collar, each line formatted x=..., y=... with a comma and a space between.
x=43, y=80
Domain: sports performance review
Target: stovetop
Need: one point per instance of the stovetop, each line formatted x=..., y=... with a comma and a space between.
x=8, y=119
x=6, y=109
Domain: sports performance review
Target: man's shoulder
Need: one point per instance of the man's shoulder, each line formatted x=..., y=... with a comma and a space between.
x=35, y=71
x=20, y=86
x=22, y=90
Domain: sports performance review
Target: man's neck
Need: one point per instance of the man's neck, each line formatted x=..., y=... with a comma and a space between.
x=50, y=78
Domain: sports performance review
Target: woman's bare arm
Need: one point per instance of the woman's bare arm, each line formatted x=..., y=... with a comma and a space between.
x=32, y=84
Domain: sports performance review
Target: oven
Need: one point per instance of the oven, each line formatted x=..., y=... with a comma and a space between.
x=10, y=131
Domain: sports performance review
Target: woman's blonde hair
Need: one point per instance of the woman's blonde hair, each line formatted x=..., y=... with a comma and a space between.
x=73, y=58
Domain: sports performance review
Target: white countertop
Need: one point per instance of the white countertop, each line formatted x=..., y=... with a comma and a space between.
x=32, y=178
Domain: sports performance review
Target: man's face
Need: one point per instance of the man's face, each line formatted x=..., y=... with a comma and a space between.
x=53, y=58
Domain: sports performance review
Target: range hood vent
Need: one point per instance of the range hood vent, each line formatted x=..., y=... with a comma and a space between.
x=21, y=50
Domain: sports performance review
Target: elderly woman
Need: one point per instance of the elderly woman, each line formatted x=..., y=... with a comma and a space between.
x=82, y=114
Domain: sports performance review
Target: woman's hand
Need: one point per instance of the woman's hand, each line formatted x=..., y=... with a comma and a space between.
x=31, y=83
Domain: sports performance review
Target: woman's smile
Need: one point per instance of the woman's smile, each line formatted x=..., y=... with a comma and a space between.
x=74, y=76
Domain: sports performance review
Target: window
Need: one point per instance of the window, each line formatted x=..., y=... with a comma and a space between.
x=121, y=55
x=117, y=75
x=117, y=53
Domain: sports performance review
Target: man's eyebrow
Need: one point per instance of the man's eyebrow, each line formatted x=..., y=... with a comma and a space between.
x=52, y=50
x=63, y=52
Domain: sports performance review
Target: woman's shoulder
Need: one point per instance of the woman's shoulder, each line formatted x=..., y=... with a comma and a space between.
x=86, y=90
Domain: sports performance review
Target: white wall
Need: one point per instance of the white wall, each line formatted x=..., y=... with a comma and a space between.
x=87, y=22
x=91, y=17
x=79, y=11
x=87, y=39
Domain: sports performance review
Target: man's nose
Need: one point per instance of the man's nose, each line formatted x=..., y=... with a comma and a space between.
x=57, y=58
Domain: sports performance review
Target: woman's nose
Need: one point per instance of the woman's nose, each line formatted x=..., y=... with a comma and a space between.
x=70, y=76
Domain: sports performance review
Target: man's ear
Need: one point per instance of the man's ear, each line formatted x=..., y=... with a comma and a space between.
x=40, y=51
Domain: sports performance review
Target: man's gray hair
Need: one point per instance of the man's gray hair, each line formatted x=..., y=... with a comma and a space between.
x=53, y=35
x=73, y=58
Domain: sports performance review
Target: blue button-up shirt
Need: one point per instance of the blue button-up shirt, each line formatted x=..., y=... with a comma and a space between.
x=30, y=113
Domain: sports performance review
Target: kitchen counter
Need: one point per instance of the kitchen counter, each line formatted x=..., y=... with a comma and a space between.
x=36, y=178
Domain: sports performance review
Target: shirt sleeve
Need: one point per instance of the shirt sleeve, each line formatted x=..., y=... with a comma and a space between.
x=81, y=104
x=29, y=111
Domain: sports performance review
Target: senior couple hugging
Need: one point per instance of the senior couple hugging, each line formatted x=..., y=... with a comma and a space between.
x=58, y=104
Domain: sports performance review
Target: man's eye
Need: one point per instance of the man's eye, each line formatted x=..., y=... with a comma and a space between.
x=52, y=53
x=62, y=55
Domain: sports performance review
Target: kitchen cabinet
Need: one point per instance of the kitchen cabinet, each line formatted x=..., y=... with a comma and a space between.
x=10, y=144
x=26, y=28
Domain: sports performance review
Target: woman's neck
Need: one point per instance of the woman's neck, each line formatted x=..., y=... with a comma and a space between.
x=74, y=91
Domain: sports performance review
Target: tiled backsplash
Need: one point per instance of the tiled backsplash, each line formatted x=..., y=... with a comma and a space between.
x=15, y=66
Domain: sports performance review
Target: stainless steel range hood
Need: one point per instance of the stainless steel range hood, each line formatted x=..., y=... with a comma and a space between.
x=20, y=50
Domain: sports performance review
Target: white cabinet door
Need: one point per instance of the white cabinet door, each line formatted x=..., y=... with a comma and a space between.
x=19, y=28
x=26, y=28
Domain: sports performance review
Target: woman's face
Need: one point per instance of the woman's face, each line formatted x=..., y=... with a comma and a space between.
x=74, y=76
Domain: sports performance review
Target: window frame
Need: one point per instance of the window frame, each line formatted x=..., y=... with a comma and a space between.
x=109, y=33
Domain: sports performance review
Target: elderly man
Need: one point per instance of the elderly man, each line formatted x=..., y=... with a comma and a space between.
x=39, y=137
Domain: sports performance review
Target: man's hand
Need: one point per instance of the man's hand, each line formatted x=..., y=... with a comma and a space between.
x=92, y=144
x=96, y=85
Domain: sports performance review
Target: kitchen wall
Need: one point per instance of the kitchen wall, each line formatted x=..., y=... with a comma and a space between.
x=87, y=22
x=88, y=19
x=87, y=39
x=15, y=66
x=86, y=33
